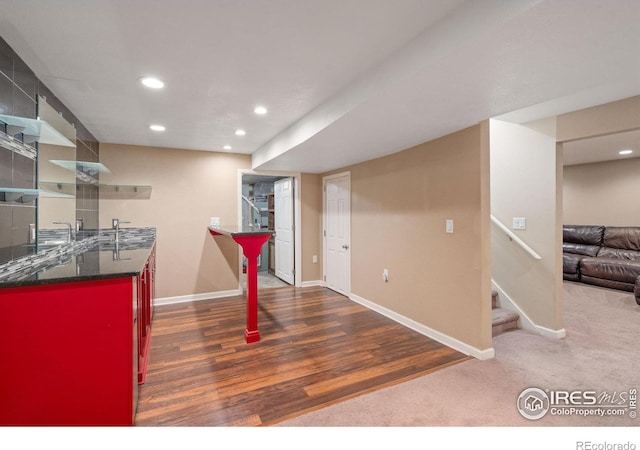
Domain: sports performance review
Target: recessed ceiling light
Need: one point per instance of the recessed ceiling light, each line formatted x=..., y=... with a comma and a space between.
x=625, y=152
x=152, y=83
x=227, y=147
x=157, y=127
x=240, y=132
x=261, y=110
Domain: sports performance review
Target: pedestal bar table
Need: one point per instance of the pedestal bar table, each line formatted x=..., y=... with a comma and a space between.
x=251, y=243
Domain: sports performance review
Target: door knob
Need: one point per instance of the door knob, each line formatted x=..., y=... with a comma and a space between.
x=345, y=246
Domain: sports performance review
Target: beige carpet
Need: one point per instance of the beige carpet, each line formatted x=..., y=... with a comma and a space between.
x=600, y=353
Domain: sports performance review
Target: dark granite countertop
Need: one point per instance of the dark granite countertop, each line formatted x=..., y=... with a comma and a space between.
x=239, y=231
x=99, y=259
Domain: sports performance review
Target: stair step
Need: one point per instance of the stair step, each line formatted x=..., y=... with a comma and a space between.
x=494, y=298
x=503, y=320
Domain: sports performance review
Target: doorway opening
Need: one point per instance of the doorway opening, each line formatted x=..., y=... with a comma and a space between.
x=267, y=203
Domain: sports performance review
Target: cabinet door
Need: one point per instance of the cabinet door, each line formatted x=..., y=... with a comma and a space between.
x=152, y=284
x=68, y=358
x=141, y=320
x=146, y=289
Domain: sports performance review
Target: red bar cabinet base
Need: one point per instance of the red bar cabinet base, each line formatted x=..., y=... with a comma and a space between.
x=67, y=353
x=251, y=336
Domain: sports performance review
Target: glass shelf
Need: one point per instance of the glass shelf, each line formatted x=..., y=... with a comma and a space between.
x=19, y=194
x=122, y=191
x=35, y=130
x=16, y=146
x=85, y=170
x=88, y=167
x=57, y=190
x=28, y=195
x=54, y=194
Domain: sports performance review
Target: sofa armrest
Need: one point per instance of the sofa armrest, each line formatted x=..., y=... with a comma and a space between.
x=636, y=290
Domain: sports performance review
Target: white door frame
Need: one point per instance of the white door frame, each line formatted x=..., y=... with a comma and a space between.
x=324, y=226
x=297, y=236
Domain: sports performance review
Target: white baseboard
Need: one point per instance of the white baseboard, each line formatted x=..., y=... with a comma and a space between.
x=312, y=283
x=196, y=297
x=525, y=322
x=556, y=334
x=426, y=331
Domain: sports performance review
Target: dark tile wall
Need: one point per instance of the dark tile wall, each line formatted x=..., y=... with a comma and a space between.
x=17, y=97
x=87, y=194
x=19, y=90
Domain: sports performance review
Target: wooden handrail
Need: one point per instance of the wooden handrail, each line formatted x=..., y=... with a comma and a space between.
x=515, y=238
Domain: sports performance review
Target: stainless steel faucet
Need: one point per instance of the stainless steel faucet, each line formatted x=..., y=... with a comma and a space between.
x=69, y=233
x=115, y=224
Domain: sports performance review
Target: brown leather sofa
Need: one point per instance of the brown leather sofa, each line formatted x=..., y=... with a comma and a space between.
x=603, y=256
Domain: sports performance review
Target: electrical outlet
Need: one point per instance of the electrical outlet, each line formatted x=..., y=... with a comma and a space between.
x=315, y=259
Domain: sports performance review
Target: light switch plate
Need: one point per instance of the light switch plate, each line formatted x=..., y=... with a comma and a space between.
x=519, y=223
x=449, y=225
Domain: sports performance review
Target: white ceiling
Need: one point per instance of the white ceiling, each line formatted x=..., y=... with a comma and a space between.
x=344, y=80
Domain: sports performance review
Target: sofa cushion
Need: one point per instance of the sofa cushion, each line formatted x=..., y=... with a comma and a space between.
x=611, y=269
x=571, y=263
x=627, y=238
x=608, y=252
x=580, y=249
x=583, y=234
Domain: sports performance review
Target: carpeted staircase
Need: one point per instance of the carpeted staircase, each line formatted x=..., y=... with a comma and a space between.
x=502, y=319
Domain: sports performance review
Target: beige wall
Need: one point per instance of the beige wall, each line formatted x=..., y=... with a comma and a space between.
x=188, y=187
x=604, y=193
x=311, y=226
x=399, y=207
x=524, y=176
x=613, y=117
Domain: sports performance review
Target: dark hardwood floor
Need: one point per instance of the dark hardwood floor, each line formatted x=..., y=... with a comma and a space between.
x=317, y=348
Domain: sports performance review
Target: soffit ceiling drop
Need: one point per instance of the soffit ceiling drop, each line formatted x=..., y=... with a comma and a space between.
x=601, y=148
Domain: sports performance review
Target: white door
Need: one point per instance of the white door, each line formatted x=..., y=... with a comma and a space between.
x=283, y=212
x=337, y=232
